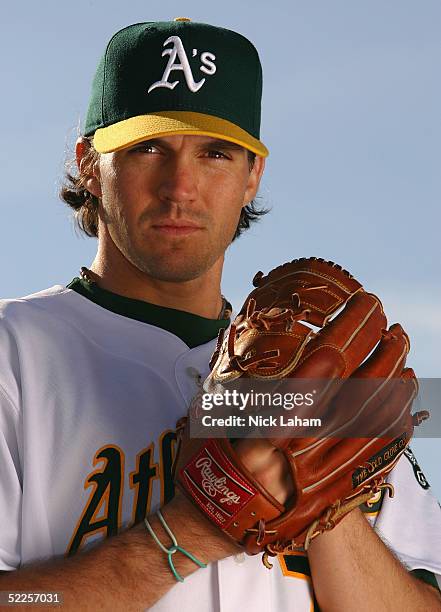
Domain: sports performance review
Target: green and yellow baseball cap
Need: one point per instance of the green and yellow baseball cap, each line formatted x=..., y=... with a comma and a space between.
x=176, y=77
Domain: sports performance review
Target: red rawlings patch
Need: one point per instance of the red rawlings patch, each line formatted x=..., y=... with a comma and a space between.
x=215, y=485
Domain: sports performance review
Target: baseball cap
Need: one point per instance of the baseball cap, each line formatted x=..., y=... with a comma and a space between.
x=176, y=77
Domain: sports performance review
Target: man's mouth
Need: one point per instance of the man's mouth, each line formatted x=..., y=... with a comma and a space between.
x=176, y=228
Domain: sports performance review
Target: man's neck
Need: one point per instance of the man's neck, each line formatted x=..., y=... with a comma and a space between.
x=201, y=296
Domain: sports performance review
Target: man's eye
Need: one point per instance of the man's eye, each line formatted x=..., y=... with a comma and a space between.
x=215, y=154
x=146, y=148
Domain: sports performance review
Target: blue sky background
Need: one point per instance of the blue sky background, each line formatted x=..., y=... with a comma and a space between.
x=351, y=105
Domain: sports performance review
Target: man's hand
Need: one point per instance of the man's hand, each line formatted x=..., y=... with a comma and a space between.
x=268, y=465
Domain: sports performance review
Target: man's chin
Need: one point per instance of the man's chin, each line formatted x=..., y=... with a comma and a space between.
x=176, y=265
x=173, y=272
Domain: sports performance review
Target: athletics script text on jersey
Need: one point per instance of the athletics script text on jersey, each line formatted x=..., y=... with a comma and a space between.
x=102, y=513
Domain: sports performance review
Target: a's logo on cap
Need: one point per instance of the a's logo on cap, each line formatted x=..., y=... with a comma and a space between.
x=207, y=66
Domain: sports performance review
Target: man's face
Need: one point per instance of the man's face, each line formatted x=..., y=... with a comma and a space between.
x=171, y=205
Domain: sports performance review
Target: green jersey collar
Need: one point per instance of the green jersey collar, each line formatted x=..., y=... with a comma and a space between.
x=190, y=328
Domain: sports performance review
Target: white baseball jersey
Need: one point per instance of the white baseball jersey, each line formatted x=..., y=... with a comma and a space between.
x=89, y=398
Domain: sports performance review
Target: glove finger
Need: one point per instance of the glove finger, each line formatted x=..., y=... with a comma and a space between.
x=364, y=392
x=385, y=433
x=370, y=385
x=360, y=436
x=392, y=418
x=339, y=348
x=389, y=356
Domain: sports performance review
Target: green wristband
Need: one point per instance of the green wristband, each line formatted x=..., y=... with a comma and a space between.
x=173, y=549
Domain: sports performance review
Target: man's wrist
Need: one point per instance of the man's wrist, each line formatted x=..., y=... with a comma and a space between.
x=347, y=524
x=194, y=529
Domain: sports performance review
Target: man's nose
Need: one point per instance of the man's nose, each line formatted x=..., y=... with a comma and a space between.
x=179, y=181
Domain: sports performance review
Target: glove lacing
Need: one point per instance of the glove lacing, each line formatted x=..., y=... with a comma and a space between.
x=263, y=319
x=326, y=522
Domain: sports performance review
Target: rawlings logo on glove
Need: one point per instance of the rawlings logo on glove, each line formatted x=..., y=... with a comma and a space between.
x=213, y=484
x=209, y=473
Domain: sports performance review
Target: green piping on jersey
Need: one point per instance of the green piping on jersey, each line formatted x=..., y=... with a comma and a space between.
x=190, y=328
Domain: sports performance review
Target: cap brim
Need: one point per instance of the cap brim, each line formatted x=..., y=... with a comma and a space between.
x=171, y=123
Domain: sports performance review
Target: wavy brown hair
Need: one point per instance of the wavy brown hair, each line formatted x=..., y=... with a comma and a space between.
x=85, y=205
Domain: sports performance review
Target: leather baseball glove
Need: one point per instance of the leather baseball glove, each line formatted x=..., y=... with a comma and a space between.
x=332, y=472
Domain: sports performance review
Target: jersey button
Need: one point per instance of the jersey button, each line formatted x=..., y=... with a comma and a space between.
x=240, y=558
x=195, y=374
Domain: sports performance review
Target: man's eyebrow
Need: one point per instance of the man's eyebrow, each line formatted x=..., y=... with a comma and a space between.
x=147, y=141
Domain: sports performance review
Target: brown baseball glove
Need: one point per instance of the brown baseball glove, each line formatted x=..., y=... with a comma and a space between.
x=364, y=400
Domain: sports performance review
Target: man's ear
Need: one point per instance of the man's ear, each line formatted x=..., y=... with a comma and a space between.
x=88, y=166
x=254, y=179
